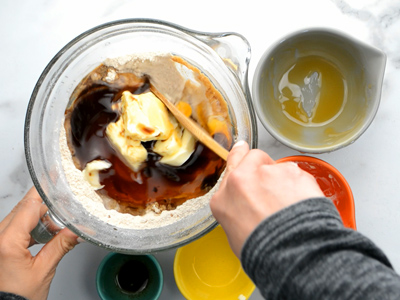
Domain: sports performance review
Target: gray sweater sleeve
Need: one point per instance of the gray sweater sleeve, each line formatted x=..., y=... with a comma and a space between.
x=305, y=252
x=10, y=296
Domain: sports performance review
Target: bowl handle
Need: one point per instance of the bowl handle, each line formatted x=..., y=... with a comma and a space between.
x=47, y=227
x=234, y=50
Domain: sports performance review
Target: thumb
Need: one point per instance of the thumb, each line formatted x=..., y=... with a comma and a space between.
x=51, y=253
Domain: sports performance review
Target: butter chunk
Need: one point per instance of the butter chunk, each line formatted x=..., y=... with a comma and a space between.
x=91, y=172
x=177, y=149
x=132, y=150
x=145, y=117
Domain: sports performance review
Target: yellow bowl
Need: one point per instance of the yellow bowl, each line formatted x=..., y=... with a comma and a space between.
x=208, y=269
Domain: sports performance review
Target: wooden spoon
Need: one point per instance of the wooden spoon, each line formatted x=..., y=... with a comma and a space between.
x=194, y=128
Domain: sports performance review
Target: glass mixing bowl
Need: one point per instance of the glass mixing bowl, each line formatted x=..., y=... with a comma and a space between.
x=222, y=57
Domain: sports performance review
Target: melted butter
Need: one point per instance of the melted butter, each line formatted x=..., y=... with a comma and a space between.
x=312, y=92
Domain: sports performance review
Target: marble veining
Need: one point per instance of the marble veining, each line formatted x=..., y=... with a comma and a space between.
x=382, y=18
x=33, y=31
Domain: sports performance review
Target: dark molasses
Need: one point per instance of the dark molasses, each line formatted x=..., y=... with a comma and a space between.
x=133, y=277
x=86, y=123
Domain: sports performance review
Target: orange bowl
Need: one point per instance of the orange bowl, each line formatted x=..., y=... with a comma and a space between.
x=331, y=182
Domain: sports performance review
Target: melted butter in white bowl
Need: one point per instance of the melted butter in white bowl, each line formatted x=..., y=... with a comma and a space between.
x=313, y=92
x=318, y=90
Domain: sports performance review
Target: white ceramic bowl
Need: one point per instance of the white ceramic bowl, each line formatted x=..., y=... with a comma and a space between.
x=362, y=67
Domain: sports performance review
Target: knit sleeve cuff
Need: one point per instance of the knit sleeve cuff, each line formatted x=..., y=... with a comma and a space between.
x=272, y=238
x=10, y=296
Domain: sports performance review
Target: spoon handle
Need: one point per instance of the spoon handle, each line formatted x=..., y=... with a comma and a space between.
x=192, y=126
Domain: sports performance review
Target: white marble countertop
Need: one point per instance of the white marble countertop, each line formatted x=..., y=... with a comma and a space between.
x=32, y=32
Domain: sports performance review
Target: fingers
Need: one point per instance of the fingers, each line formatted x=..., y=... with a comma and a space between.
x=252, y=161
x=27, y=214
x=241, y=151
x=238, y=151
x=4, y=223
x=241, y=155
x=51, y=253
x=24, y=217
x=295, y=171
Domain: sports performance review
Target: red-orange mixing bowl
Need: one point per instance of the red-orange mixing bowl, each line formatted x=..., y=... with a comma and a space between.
x=332, y=183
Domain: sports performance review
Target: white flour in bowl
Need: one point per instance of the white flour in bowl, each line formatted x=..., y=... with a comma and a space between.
x=170, y=82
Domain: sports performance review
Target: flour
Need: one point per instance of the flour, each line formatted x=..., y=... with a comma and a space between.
x=161, y=70
x=96, y=204
x=171, y=83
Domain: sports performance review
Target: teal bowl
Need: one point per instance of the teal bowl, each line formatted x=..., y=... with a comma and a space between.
x=129, y=277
